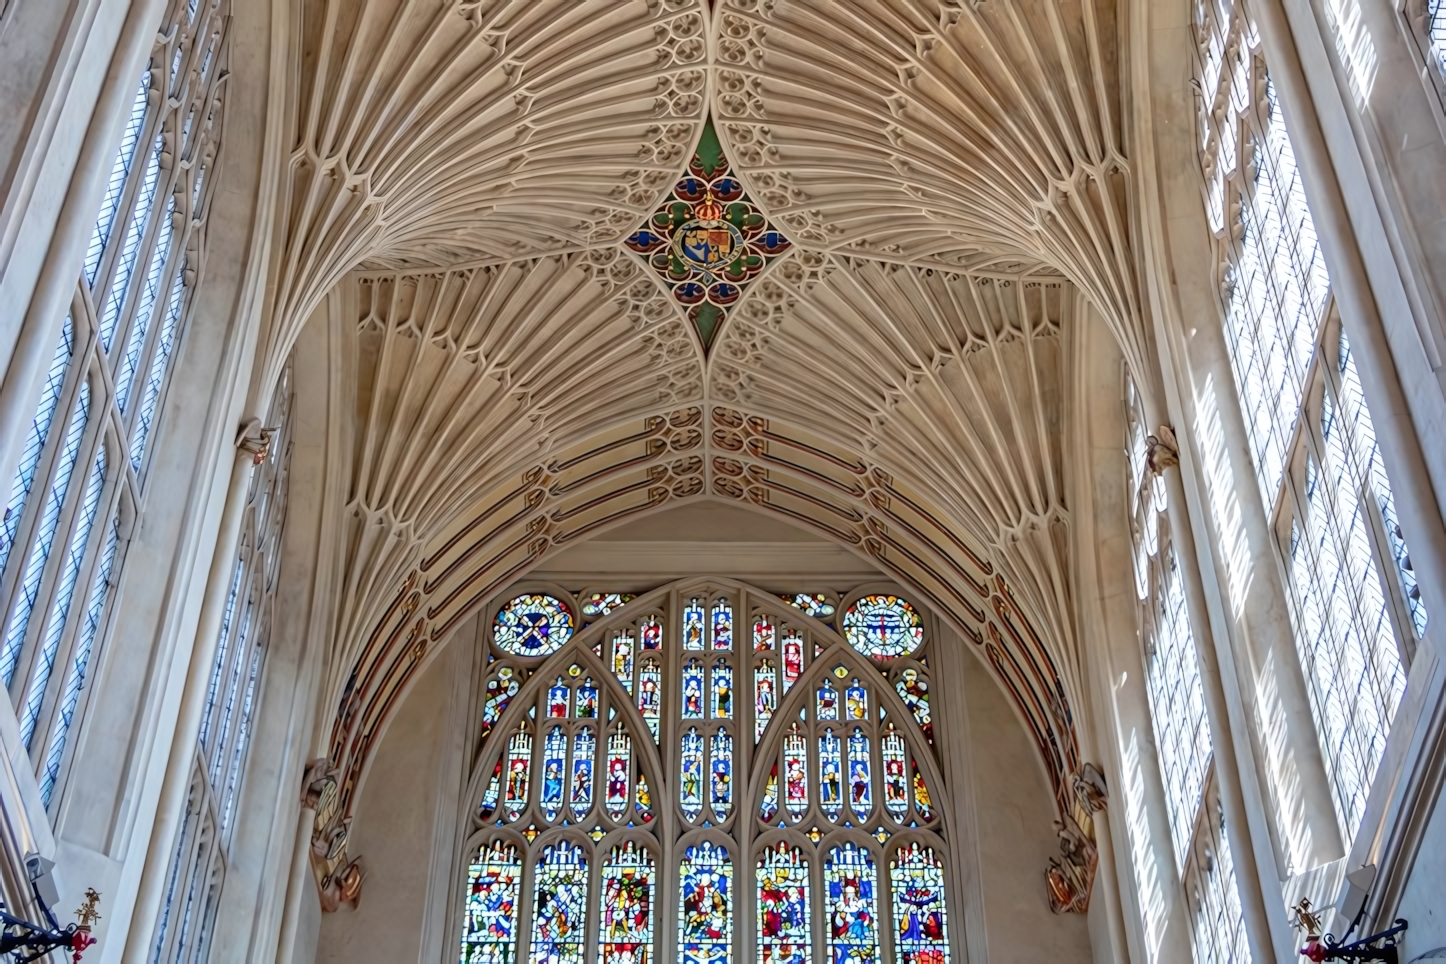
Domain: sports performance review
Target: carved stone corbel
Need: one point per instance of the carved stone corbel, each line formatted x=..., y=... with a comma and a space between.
x=1162, y=450
x=254, y=438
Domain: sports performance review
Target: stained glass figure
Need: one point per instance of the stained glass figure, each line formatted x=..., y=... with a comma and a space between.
x=792, y=658
x=625, y=906
x=705, y=914
x=922, y=804
x=651, y=630
x=795, y=763
x=827, y=701
x=620, y=752
x=693, y=690
x=489, y=928
x=722, y=690
x=623, y=659
x=814, y=604
x=500, y=691
x=784, y=936
x=883, y=627
x=601, y=603
x=720, y=774
x=916, y=879
x=650, y=693
x=690, y=784
x=853, y=934
x=769, y=808
x=693, y=625
x=914, y=691
x=722, y=625
x=532, y=625
x=861, y=794
x=856, y=702
x=765, y=696
x=707, y=240
x=559, y=905
x=519, y=758
x=587, y=700
x=557, y=699
x=584, y=751
x=830, y=777
x=554, y=753
x=763, y=633
x=645, y=798
x=896, y=783
x=492, y=794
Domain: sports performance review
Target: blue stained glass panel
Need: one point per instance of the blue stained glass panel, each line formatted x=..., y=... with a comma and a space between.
x=587, y=700
x=720, y=777
x=827, y=701
x=532, y=625
x=693, y=690
x=489, y=929
x=625, y=907
x=651, y=630
x=584, y=750
x=856, y=702
x=690, y=784
x=784, y=936
x=853, y=934
x=500, y=691
x=916, y=879
x=554, y=753
x=559, y=905
x=861, y=796
x=722, y=625
x=558, y=698
x=830, y=777
x=705, y=915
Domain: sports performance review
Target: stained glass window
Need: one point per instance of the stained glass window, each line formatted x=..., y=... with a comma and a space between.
x=598, y=604
x=883, y=627
x=625, y=906
x=784, y=934
x=489, y=933
x=814, y=604
x=559, y=905
x=846, y=755
x=853, y=930
x=705, y=915
x=532, y=625
x=916, y=880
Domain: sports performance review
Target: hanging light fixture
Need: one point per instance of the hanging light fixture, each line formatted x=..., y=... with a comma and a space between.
x=23, y=941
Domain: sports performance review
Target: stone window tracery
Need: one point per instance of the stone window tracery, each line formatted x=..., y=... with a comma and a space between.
x=1176, y=697
x=82, y=466
x=727, y=734
x=1356, y=610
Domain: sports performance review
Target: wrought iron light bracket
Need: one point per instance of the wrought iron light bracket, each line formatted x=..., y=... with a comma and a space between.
x=23, y=941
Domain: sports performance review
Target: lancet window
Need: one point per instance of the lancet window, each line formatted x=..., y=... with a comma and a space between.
x=1356, y=610
x=73, y=496
x=1183, y=740
x=203, y=844
x=709, y=773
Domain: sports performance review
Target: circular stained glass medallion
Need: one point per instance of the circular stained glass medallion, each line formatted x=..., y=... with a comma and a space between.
x=883, y=627
x=532, y=625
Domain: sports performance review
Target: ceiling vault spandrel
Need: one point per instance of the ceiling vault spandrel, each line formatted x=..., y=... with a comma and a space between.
x=937, y=189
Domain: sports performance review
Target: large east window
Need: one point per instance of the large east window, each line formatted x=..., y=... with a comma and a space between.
x=83, y=465
x=1355, y=607
x=706, y=773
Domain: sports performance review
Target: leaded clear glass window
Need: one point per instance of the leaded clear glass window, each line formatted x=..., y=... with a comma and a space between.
x=735, y=776
x=72, y=499
x=1356, y=609
x=1176, y=696
x=203, y=846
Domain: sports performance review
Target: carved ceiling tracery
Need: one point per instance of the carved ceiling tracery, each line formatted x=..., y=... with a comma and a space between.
x=950, y=181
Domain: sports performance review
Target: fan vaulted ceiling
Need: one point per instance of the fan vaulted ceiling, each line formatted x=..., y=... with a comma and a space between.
x=951, y=179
